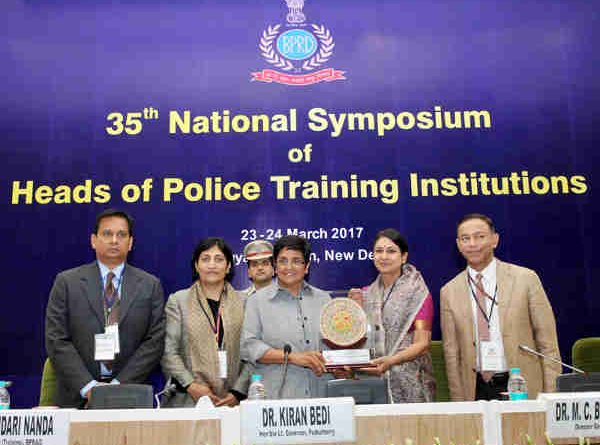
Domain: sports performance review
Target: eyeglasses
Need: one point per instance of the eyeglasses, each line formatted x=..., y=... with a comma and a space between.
x=108, y=235
x=295, y=263
x=476, y=237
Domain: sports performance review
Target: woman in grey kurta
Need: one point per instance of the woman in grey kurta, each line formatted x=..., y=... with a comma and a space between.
x=287, y=313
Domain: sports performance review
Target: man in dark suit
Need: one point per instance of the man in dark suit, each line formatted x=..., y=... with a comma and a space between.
x=104, y=321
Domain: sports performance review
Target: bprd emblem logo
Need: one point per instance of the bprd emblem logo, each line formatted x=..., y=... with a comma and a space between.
x=298, y=51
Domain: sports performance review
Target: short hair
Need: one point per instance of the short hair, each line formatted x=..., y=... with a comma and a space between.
x=292, y=242
x=110, y=213
x=206, y=244
x=486, y=219
x=393, y=235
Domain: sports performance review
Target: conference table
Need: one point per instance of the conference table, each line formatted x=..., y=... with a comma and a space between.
x=487, y=423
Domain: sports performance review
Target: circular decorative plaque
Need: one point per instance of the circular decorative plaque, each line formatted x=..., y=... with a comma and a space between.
x=343, y=322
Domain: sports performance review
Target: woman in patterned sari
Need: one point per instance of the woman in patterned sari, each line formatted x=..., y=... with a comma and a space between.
x=399, y=308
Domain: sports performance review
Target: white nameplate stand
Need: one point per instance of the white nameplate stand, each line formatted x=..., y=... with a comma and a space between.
x=572, y=414
x=35, y=427
x=292, y=421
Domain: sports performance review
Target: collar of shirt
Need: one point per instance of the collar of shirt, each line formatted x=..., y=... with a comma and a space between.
x=104, y=270
x=489, y=277
x=280, y=291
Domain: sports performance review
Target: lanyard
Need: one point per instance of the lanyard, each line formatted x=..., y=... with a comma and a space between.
x=385, y=300
x=215, y=327
x=493, y=299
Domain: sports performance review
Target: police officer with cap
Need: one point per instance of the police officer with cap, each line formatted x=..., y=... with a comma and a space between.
x=259, y=256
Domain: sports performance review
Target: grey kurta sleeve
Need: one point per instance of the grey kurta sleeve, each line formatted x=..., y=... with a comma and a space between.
x=252, y=345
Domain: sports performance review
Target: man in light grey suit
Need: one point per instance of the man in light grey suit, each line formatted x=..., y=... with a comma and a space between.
x=487, y=311
x=107, y=297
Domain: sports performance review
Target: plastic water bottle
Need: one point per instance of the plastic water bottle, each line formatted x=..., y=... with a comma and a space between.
x=256, y=390
x=4, y=395
x=517, y=386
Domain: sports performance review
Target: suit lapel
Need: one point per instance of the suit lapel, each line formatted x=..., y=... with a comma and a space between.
x=505, y=282
x=129, y=292
x=92, y=289
x=465, y=308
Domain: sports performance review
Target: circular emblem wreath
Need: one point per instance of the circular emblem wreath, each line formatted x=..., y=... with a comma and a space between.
x=319, y=58
x=325, y=49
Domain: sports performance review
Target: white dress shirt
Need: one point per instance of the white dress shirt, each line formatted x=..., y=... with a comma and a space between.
x=490, y=288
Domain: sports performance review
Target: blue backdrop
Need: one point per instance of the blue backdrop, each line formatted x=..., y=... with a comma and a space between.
x=425, y=99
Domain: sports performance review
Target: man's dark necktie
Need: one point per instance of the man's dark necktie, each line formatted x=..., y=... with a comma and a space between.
x=111, y=300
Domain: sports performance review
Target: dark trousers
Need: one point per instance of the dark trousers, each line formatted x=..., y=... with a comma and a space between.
x=493, y=389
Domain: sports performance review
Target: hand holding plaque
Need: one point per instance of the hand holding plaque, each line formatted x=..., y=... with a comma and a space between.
x=344, y=328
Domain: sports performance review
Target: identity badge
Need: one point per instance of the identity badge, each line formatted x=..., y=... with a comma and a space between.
x=104, y=347
x=113, y=330
x=491, y=359
x=223, y=364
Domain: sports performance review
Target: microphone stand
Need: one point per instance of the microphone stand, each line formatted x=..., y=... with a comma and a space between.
x=168, y=389
x=287, y=349
x=544, y=356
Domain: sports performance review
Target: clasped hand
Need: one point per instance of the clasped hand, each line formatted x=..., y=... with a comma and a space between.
x=198, y=390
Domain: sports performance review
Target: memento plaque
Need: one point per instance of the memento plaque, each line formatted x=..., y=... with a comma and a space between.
x=343, y=327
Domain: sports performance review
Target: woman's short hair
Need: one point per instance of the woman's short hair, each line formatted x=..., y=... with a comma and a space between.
x=292, y=242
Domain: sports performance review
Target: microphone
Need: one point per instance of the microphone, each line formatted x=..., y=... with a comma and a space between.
x=539, y=354
x=168, y=389
x=287, y=349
